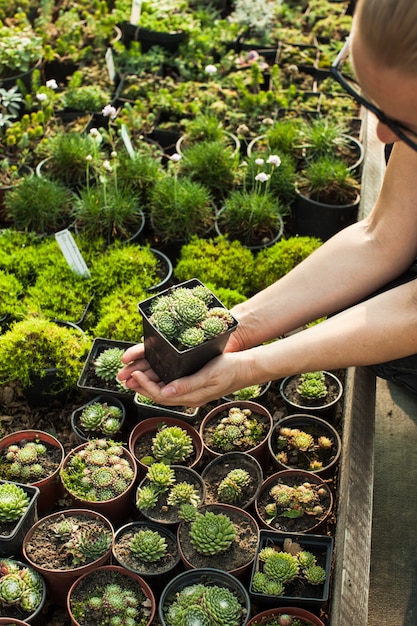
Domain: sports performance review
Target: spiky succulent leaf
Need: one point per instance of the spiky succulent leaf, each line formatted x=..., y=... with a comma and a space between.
x=148, y=545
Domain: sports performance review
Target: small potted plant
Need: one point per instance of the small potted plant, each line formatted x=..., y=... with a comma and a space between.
x=34, y=457
x=312, y=392
x=22, y=591
x=100, y=417
x=217, y=596
x=100, y=475
x=78, y=541
x=253, y=392
x=17, y=514
x=21, y=52
x=148, y=549
x=285, y=616
x=110, y=592
x=305, y=442
x=165, y=491
x=147, y=408
x=242, y=426
x=220, y=536
x=184, y=327
x=232, y=478
x=291, y=568
x=168, y=440
x=294, y=501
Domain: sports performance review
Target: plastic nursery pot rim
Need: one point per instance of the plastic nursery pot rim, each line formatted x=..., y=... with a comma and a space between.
x=266, y=616
x=331, y=406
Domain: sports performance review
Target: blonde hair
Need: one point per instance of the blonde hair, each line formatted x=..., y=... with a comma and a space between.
x=388, y=29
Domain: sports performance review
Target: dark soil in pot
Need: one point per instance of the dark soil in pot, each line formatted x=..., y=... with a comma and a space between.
x=219, y=468
x=127, y=558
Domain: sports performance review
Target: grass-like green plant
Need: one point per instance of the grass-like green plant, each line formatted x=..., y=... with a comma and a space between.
x=329, y=180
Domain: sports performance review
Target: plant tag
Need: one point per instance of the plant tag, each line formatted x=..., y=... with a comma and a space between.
x=110, y=64
x=135, y=12
x=72, y=253
x=126, y=141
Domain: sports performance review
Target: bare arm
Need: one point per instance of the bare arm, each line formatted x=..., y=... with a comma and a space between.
x=350, y=266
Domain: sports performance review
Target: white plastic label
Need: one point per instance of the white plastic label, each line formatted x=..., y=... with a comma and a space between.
x=72, y=253
x=126, y=141
x=135, y=12
x=110, y=64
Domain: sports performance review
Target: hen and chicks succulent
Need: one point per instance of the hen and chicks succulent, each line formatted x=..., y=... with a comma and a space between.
x=101, y=418
x=25, y=461
x=14, y=502
x=187, y=318
x=297, y=448
x=240, y=430
x=296, y=501
x=82, y=541
x=20, y=586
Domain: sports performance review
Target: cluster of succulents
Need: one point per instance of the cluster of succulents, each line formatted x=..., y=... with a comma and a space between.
x=211, y=605
x=100, y=417
x=97, y=472
x=186, y=316
x=313, y=385
x=238, y=430
x=212, y=533
x=148, y=545
x=171, y=444
x=20, y=586
x=114, y=604
x=14, y=502
x=295, y=501
x=23, y=461
x=230, y=489
x=248, y=393
x=299, y=449
x=161, y=480
x=82, y=543
x=278, y=568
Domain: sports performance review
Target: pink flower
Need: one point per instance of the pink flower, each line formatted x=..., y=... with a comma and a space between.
x=109, y=111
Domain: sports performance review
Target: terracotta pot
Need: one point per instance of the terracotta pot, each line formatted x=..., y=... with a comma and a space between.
x=220, y=466
x=260, y=451
x=150, y=426
x=8, y=621
x=320, y=407
x=208, y=577
x=58, y=581
x=116, y=509
x=192, y=559
x=50, y=488
x=294, y=477
x=163, y=513
x=316, y=427
x=80, y=582
x=264, y=618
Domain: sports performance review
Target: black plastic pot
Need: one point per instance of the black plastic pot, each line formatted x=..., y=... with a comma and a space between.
x=321, y=407
x=315, y=595
x=206, y=576
x=11, y=541
x=168, y=361
x=151, y=410
x=76, y=415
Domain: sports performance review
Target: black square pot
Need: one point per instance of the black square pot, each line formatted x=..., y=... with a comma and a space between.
x=168, y=361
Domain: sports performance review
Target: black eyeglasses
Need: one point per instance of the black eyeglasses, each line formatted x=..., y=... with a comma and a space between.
x=350, y=85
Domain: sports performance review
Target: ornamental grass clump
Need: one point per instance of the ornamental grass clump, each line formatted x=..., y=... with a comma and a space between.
x=238, y=430
x=13, y=502
x=187, y=317
x=98, y=471
x=21, y=588
x=277, y=568
x=205, y=605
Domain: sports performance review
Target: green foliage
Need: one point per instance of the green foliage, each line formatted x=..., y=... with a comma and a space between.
x=240, y=430
x=295, y=501
x=148, y=546
x=20, y=47
x=212, y=533
x=36, y=344
x=13, y=502
x=180, y=207
x=88, y=544
x=117, y=313
x=40, y=205
x=231, y=487
x=329, y=180
x=25, y=462
x=274, y=262
x=172, y=444
x=212, y=164
x=219, y=262
x=11, y=290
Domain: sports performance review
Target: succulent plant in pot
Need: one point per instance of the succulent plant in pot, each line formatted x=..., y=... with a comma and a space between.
x=22, y=590
x=317, y=392
x=17, y=514
x=100, y=417
x=184, y=326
